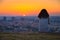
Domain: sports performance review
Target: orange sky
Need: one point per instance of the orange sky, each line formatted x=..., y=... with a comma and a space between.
x=28, y=7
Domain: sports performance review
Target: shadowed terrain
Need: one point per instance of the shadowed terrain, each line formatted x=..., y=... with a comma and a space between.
x=29, y=36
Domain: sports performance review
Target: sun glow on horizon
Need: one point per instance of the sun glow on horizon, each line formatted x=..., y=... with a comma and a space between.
x=24, y=14
x=29, y=7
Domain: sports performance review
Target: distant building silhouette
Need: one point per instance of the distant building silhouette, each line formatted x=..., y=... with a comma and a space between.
x=22, y=19
x=4, y=18
x=13, y=18
x=43, y=20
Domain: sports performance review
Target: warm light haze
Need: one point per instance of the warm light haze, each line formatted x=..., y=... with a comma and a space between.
x=28, y=7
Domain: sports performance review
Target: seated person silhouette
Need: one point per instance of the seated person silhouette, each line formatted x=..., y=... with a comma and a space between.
x=43, y=14
x=43, y=20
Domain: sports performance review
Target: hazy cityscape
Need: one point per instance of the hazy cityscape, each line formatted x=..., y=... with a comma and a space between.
x=27, y=24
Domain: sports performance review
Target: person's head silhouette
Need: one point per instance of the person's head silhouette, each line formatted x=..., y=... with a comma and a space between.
x=43, y=14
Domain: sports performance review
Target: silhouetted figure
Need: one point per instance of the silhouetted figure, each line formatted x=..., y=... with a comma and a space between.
x=43, y=14
x=43, y=20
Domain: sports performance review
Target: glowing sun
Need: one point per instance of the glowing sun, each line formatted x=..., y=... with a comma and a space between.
x=24, y=15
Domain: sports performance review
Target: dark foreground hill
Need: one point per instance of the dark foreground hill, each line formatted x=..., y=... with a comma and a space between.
x=29, y=36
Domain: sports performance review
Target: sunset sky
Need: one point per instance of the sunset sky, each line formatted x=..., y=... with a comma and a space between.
x=28, y=7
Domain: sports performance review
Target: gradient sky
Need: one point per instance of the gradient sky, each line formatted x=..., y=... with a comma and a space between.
x=28, y=7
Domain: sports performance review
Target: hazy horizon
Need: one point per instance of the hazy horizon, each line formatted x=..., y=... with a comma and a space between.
x=28, y=7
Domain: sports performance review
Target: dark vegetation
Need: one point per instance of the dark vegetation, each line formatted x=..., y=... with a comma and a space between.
x=29, y=36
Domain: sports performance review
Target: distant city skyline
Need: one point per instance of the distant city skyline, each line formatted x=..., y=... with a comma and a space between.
x=29, y=7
